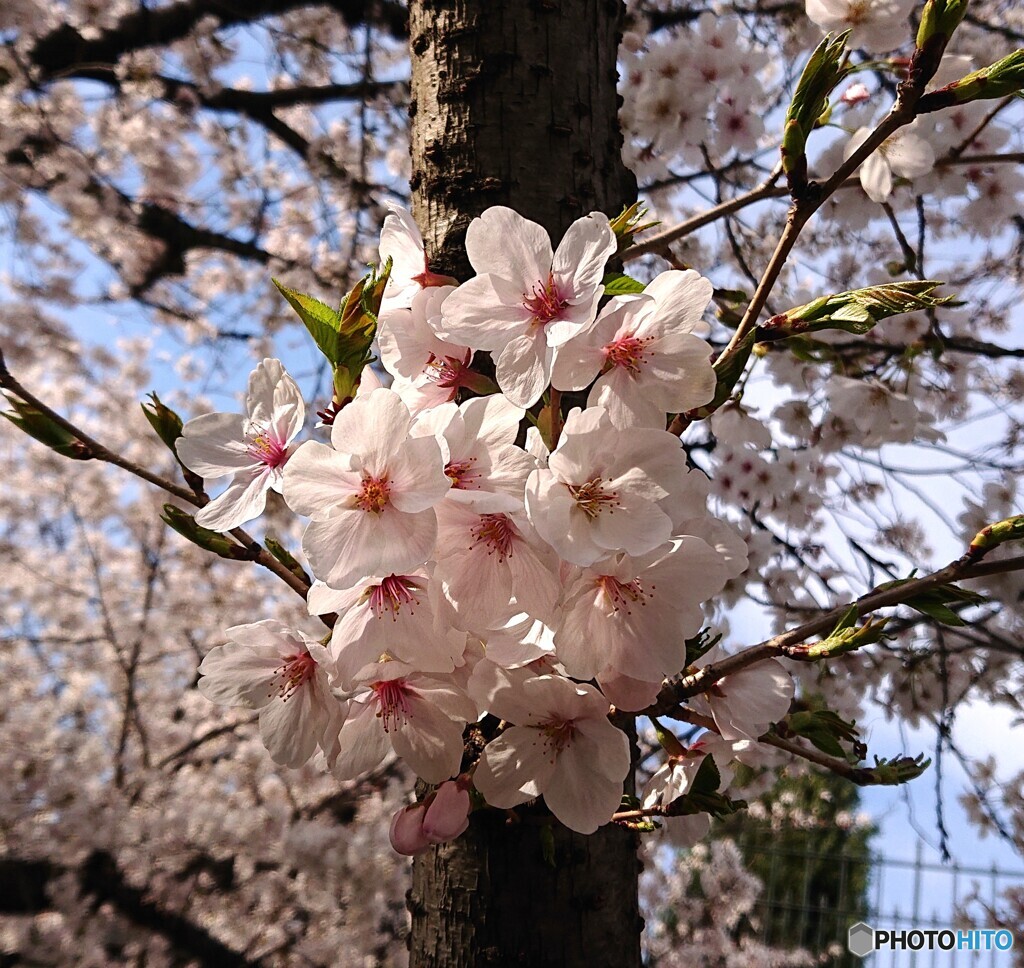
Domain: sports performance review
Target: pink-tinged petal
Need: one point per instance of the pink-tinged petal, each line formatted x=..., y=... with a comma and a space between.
x=372, y=428
x=290, y=728
x=447, y=816
x=322, y=599
x=679, y=375
x=909, y=156
x=505, y=244
x=214, y=444
x=579, y=263
x=625, y=403
x=627, y=693
x=754, y=698
x=492, y=420
x=401, y=242
x=416, y=474
x=575, y=365
x=351, y=649
x=448, y=698
x=499, y=691
x=579, y=797
x=405, y=541
x=523, y=369
x=289, y=410
x=406, y=832
x=515, y=767
x=604, y=745
x=876, y=178
x=262, y=382
x=534, y=580
x=636, y=528
x=428, y=741
x=485, y=313
x=477, y=585
x=681, y=297
x=236, y=675
x=244, y=500
x=344, y=545
x=317, y=477
x=362, y=743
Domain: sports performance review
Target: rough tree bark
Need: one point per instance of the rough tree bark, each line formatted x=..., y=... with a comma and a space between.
x=514, y=103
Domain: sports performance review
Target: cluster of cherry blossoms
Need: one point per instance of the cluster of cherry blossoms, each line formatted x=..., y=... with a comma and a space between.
x=471, y=572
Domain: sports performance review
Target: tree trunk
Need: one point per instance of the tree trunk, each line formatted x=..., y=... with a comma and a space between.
x=514, y=103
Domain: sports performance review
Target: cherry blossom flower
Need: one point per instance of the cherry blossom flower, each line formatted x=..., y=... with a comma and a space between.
x=371, y=495
x=745, y=703
x=281, y=672
x=644, y=347
x=562, y=746
x=427, y=369
x=400, y=241
x=675, y=777
x=904, y=153
x=526, y=300
x=418, y=716
x=253, y=447
x=487, y=471
x=484, y=560
x=601, y=490
x=878, y=25
x=634, y=614
x=403, y=615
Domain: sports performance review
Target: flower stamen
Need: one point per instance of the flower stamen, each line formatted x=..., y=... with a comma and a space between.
x=374, y=494
x=393, y=698
x=591, y=497
x=497, y=532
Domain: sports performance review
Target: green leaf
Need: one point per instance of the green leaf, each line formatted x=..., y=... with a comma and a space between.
x=619, y=284
x=856, y=311
x=322, y=322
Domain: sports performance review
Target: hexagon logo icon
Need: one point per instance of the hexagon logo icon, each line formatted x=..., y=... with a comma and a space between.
x=861, y=939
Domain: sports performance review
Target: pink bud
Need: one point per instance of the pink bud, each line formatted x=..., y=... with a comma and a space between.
x=406, y=834
x=448, y=813
x=855, y=93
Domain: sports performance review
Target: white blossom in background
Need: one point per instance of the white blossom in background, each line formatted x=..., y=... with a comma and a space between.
x=877, y=25
x=252, y=447
x=904, y=154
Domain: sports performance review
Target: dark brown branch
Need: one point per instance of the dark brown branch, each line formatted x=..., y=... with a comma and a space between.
x=65, y=48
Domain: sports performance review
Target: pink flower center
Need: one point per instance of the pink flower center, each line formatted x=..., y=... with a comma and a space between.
x=393, y=698
x=591, y=498
x=497, y=532
x=266, y=448
x=557, y=735
x=394, y=592
x=374, y=494
x=447, y=372
x=622, y=596
x=545, y=302
x=462, y=475
x=627, y=352
x=292, y=674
